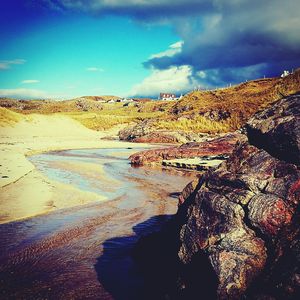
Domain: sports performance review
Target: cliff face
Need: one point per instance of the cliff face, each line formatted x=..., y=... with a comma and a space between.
x=243, y=218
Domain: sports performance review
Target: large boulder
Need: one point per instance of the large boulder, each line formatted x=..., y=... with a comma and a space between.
x=237, y=215
x=130, y=133
x=277, y=129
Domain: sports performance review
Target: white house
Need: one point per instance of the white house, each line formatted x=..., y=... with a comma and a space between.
x=167, y=96
x=285, y=73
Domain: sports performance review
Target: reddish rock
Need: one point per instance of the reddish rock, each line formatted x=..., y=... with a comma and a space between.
x=269, y=213
x=157, y=137
x=230, y=216
x=218, y=146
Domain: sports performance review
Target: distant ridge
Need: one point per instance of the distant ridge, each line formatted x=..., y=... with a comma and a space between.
x=212, y=111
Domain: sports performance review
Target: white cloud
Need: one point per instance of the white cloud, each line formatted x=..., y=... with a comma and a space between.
x=94, y=69
x=174, y=80
x=173, y=49
x=6, y=64
x=223, y=39
x=29, y=81
x=25, y=93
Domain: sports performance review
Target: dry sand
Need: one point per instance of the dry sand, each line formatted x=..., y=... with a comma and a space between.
x=24, y=191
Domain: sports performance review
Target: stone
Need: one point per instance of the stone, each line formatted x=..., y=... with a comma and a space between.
x=277, y=129
x=219, y=146
x=231, y=217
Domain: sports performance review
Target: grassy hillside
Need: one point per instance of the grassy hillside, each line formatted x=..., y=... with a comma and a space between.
x=8, y=117
x=90, y=113
x=220, y=110
x=111, y=115
x=228, y=109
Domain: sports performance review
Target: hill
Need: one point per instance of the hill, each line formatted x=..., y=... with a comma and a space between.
x=229, y=108
x=90, y=110
x=214, y=111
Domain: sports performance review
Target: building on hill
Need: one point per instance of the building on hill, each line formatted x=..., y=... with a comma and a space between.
x=167, y=96
x=285, y=73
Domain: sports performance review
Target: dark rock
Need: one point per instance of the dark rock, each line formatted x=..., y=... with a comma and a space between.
x=130, y=133
x=217, y=115
x=146, y=132
x=187, y=191
x=277, y=129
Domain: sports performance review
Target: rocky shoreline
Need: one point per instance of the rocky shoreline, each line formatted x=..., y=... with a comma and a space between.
x=198, y=156
x=236, y=233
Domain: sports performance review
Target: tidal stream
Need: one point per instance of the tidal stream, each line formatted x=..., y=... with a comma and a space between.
x=84, y=252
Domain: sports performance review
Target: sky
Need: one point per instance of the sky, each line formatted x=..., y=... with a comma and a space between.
x=63, y=49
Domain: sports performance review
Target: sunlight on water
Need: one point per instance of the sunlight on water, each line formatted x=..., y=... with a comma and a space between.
x=84, y=251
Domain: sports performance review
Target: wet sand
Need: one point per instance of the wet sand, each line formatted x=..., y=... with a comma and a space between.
x=83, y=252
x=24, y=192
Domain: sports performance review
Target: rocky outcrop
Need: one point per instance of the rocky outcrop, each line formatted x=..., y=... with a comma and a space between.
x=237, y=215
x=220, y=146
x=277, y=130
x=197, y=163
x=145, y=132
x=167, y=136
x=130, y=133
x=87, y=105
x=237, y=228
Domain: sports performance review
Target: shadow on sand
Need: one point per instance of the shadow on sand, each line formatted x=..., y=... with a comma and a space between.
x=117, y=269
x=146, y=266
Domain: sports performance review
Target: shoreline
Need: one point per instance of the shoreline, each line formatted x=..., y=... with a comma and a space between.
x=25, y=192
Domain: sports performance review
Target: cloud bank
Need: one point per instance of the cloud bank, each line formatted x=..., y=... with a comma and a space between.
x=173, y=79
x=221, y=41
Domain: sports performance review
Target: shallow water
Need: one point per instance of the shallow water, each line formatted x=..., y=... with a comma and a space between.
x=84, y=252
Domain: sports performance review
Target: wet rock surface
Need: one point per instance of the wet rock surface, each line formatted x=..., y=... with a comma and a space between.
x=236, y=234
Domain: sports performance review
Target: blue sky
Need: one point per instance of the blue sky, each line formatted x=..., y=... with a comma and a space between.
x=64, y=49
x=72, y=54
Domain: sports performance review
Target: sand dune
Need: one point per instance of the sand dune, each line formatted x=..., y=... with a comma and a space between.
x=47, y=126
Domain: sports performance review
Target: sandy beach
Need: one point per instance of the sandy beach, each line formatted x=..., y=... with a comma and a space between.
x=25, y=192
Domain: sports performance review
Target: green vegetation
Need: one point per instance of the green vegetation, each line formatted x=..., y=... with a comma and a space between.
x=114, y=114
x=8, y=117
x=199, y=124
x=238, y=102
